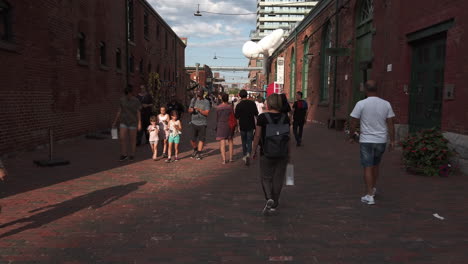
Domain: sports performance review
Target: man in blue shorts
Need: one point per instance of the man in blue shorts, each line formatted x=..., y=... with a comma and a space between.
x=376, y=123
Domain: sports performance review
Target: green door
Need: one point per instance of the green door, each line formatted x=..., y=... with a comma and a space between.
x=426, y=87
x=363, y=52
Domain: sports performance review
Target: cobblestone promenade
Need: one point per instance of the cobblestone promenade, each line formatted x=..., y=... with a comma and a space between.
x=98, y=210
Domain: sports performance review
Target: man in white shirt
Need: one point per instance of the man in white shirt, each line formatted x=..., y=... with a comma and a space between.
x=376, y=118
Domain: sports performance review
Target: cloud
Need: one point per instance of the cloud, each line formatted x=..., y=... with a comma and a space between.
x=224, y=34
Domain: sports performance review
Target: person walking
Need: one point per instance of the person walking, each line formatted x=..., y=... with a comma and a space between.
x=163, y=119
x=146, y=105
x=300, y=109
x=199, y=109
x=272, y=132
x=246, y=112
x=175, y=130
x=175, y=105
x=260, y=102
x=285, y=108
x=153, y=130
x=223, y=130
x=376, y=125
x=130, y=121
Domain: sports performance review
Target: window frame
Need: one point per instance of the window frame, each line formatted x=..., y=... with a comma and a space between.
x=102, y=53
x=146, y=25
x=81, y=54
x=7, y=21
x=118, y=59
x=325, y=63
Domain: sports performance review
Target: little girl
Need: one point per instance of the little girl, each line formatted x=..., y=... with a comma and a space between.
x=153, y=131
x=163, y=118
x=175, y=129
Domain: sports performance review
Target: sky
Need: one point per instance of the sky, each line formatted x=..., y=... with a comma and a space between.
x=212, y=34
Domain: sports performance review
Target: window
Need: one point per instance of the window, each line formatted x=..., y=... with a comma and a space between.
x=5, y=21
x=305, y=68
x=158, y=29
x=166, y=41
x=102, y=53
x=150, y=68
x=81, y=53
x=130, y=22
x=146, y=25
x=131, y=63
x=367, y=11
x=118, y=59
x=140, y=67
x=326, y=63
x=293, y=75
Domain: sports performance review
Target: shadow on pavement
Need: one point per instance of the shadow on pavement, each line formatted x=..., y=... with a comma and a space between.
x=54, y=212
x=86, y=157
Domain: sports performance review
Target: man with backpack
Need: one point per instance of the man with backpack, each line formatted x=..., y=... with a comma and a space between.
x=245, y=112
x=272, y=132
x=300, y=108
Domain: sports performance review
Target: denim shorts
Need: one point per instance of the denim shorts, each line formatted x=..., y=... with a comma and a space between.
x=371, y=154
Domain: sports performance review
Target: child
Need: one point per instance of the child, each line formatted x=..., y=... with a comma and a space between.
x=163, y=118
x=153, y=132
x=175, y=129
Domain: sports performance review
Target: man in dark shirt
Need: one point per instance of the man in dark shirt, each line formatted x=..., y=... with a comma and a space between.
x=300, y=108
x=174, y=105
x=246, y=111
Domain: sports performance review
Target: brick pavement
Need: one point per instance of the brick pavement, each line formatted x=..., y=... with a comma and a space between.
x=98, y=210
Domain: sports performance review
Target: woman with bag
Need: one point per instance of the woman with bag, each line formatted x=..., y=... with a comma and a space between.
x=225, y=127
x=272, y=132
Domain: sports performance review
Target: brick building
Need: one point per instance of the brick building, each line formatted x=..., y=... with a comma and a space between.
x=204, y=79
x=64, y=65
x=413, y=49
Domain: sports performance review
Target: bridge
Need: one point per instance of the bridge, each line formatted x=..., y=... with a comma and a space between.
x=226, y=68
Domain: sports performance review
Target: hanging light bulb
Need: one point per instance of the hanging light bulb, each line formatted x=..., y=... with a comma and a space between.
x=215, y=58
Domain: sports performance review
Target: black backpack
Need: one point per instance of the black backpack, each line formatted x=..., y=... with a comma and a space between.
x=276, y=139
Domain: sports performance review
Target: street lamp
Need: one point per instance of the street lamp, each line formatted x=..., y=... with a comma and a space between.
x=215, y=58
x=198, y=11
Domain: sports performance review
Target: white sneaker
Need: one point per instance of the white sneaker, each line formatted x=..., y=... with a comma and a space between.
x=368, y=199
x=268, y=206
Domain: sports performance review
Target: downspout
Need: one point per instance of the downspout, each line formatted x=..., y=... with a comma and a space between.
x=336, y=62
x=126, y=44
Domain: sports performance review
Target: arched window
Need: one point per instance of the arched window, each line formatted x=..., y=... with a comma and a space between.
x=326, y=63
x=140, y=66
x=131, y=63
x=102, y=53
x=293, y=75
x=5, y=21
x=366, y=11
x=131, y=20
x=146, y=25
x=118, y=59
x=81, y=51
x=305, y=68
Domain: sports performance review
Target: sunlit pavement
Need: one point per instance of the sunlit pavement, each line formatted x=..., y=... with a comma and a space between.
x=98, y=210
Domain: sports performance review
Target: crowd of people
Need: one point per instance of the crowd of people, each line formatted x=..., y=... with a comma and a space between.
x=264, y=129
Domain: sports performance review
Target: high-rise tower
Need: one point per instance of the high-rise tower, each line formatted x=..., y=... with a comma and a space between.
x=274, y=14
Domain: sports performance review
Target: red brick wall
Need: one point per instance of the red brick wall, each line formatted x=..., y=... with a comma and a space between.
x=42, y=84
x=393, y=20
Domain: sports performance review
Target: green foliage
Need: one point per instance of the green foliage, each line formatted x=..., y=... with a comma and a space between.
x=426, y=152
x=234, y=91
x=154, y=89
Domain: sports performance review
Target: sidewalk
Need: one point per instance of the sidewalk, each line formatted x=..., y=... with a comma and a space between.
x=97, y=210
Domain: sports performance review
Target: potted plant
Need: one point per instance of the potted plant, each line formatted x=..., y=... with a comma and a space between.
x=427, y=152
